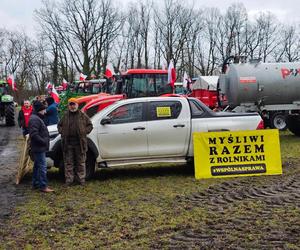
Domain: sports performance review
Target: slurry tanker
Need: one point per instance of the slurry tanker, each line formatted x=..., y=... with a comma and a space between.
x=271, y=89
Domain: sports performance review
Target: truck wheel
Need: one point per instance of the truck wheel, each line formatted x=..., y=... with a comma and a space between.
x=190, y=164
x=89, y=166
x=278, y=120
x=10, y=114
x=61, y=169
x=293, y=123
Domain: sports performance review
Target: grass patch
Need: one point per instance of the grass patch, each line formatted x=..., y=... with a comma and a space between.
x=145, y=207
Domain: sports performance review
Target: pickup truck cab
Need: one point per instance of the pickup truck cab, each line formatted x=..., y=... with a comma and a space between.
x=152, y=129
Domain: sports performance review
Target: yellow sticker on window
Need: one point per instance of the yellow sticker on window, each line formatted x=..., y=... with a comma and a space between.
x=163, y=111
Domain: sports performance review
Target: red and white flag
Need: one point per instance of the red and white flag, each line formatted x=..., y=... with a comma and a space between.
x=185, y=80
x=64, y=84
x=11, y=82
x=109, y=72
x=82, y=77
x=171, y=74
x=52, y=92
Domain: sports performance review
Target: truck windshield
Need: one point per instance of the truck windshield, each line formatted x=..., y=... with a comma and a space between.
x=179, y=89
x=141, y=85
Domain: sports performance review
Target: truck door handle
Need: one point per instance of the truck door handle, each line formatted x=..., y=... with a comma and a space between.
x=139, y=128
x=218, y=130
x=179, y=126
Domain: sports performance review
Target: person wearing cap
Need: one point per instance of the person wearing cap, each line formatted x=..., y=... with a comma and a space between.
x=74, y=127
x=39, y=143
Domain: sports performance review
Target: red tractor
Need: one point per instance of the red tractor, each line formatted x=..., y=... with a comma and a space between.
x=133, y=83
x=142, y=83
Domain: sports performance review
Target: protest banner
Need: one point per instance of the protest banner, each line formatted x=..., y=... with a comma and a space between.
x=237, y=153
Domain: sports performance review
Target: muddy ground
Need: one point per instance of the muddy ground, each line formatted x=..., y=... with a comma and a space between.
x=264, y=214
x=235, y=213
x=10, y=194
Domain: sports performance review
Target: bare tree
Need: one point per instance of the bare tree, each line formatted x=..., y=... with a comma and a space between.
x=291, y=44
x=174, y=27
x=268, y=27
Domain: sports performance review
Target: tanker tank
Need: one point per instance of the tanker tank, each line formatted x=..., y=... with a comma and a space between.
x=261, y=83
x=272, y=89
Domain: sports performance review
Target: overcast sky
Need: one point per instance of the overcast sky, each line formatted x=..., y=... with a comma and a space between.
x=18, y=14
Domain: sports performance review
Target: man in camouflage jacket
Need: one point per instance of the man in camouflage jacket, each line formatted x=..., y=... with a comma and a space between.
x=74, y=127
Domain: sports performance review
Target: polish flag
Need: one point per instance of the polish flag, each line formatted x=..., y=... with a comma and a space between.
x=82, y=77
x=109, y=72
x=64, y=84
x=11, y=82
x=171, y=74
x=52, y=92
x=185, y=80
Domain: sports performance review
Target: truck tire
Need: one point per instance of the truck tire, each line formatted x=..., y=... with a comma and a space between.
x=278, y=120
x=190, y=164
x=89, y=166
x=10, y=114
x=293, y=123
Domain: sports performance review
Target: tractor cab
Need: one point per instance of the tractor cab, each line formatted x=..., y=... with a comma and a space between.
x=94, y=86
x=142, y=82
x=3, y=89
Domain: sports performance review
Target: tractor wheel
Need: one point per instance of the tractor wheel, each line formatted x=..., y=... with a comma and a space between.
x=278, y=120
x=10, y=114
x=293, y=123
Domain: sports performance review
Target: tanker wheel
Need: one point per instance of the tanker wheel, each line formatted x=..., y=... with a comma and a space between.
x=10, y=114
x=278, y=120
x=89, y=166
x=293, y=123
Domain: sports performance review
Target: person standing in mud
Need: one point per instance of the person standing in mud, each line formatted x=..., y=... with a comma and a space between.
x=74, y=127
x=39, y=143
x=24, y=116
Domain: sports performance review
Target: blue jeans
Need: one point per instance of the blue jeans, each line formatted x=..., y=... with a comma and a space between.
x=39, y=176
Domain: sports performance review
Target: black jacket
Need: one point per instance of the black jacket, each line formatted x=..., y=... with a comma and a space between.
x=21, y=119
x=39, y=135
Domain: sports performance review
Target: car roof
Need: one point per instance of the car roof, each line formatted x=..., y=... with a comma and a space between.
x=155, y=98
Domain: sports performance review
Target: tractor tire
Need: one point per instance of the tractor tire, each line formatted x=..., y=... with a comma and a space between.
x=89, y=166
x=293, y=124
x=10, y=114
x=278, y=121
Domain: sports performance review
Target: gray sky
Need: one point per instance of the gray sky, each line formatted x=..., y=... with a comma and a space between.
x=18, y=14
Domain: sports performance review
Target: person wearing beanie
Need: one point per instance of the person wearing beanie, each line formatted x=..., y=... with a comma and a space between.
x=51, y=112
x=39, y=143
x=74, y=127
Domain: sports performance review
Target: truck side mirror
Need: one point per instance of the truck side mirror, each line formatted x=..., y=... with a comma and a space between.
x=105, y=120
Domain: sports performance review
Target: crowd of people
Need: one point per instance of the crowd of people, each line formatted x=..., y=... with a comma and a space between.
x=74, y=126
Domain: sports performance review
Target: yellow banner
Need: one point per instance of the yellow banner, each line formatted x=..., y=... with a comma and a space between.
x=237, y=153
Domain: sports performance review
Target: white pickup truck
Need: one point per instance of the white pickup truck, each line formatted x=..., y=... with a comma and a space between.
x=151, y=129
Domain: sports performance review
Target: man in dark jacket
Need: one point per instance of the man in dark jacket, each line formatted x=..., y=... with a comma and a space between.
x=24, y=116
x=51, y=112
x=39, y=143
x=74, y=127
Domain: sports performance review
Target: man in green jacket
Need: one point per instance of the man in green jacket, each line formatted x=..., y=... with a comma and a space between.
x=74, y=127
